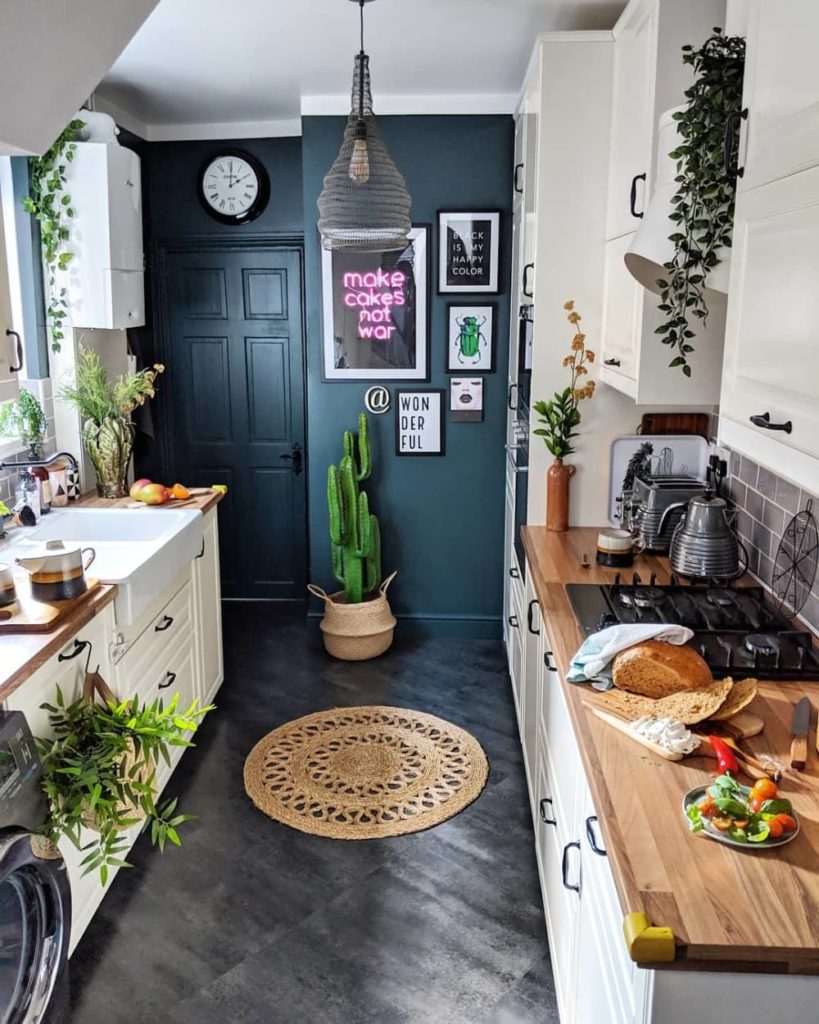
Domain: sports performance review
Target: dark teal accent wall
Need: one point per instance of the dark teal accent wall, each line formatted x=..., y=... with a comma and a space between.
x=442, y=518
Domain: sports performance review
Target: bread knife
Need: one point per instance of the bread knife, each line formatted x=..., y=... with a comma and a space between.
x=799, y=734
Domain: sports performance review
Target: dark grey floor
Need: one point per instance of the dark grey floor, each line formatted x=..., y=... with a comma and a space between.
x=253, y=922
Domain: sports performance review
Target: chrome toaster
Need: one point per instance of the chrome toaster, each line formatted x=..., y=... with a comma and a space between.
x=656, y=505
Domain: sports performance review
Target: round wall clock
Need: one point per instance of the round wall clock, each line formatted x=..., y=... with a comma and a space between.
x=233, y=187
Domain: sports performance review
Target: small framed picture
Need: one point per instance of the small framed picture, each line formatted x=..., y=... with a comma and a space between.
x=470, y=338
x=466, y=399
x=419, y=421
x=468, y=249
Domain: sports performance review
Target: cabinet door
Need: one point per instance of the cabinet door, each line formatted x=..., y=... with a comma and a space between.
x=9, y=355
x=532, y=629
x=207, y=597
x=772, y=355
x=531, y=115
x=622, y=319
x=781, y=91
x=632, y=128
x=124, y=209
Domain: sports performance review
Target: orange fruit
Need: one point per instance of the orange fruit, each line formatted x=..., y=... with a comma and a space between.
x=179, y=492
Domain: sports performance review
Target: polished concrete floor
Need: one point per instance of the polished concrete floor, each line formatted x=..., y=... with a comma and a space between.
x=253, y=922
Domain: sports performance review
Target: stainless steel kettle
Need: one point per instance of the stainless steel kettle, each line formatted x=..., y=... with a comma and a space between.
x=704, y=543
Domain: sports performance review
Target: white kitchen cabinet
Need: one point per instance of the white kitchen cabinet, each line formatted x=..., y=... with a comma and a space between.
x=772, y=355
x=622, y=316
x=207, y=605
x=9, y=348
x=781, y=91
x=104, y=281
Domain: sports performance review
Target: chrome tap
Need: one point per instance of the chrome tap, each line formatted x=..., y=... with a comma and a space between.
x=25, y=463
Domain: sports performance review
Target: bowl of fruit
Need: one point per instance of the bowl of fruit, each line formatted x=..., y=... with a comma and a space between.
x=751, y=817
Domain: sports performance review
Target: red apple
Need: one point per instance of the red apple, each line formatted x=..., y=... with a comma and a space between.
x=137, y=486
x=153, y=494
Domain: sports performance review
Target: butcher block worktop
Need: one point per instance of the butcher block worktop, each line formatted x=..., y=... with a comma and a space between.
x=204, y=502
x=729, y=909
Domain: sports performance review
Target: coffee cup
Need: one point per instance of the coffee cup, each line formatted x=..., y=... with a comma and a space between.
x=8, y=594
x=617, y=548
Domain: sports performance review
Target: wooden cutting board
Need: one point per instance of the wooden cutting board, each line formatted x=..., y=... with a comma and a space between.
x=28, y=615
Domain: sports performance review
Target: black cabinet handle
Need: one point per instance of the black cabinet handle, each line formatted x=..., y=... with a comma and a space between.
x=592, y=838
x=76, y=650
x=731, y=133
x=527, y=291
x=611, y=362
x=633, y=195
x=202, y=550
x=168, y=681
x=166, y=623
x=517, y=186
x=764, y=421
x=18, y=344
x=509, y=397
x=514, y=573
x=547, y=661
x=544, y=816
x=574, y=887
x=513, y=621
x=529, y=622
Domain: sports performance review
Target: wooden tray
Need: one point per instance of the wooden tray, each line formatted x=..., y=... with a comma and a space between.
x=28, y=615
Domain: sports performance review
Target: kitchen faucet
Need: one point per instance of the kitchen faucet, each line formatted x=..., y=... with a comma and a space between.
x=28, y=463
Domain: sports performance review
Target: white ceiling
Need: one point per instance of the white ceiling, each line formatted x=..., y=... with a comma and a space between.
x=215, y=68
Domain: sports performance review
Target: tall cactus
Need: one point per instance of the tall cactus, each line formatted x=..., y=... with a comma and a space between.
x=354, y=530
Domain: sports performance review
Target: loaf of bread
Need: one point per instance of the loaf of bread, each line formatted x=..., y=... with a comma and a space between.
x=657, y=669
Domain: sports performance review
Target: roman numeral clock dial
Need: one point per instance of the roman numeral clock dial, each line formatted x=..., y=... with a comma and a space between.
x=233, y=187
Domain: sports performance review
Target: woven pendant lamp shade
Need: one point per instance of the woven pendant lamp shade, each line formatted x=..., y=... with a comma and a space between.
x=371, y=215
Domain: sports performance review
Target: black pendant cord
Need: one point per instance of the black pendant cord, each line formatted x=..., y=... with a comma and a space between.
x=361, y=63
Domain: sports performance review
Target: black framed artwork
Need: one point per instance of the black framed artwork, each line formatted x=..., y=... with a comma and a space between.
x=470, y=337
x=376, y=312
x=468, y=251
x=419, y=421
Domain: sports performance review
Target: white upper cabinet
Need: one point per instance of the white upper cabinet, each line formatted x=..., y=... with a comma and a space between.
x=781, y=133
x=9, y=345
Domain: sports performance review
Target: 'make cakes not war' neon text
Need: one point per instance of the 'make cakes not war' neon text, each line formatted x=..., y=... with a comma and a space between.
x=374, y=293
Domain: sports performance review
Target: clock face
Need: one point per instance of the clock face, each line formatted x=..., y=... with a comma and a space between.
x=233, y=187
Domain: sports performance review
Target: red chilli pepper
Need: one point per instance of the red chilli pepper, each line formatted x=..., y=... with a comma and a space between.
x=726, y=761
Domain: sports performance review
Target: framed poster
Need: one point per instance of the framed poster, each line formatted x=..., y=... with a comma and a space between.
x=419, y=421
x=470, y=338
x=375, y=312
x=466, y=399
x=468, y=251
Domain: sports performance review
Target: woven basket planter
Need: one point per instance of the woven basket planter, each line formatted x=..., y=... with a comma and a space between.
x=356, y=632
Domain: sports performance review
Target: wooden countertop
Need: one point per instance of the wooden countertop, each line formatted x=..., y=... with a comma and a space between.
x=729, y=909
x=204, y=502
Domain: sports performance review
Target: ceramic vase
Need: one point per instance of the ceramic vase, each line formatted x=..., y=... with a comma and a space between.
x=558, y=476
x=109, y=445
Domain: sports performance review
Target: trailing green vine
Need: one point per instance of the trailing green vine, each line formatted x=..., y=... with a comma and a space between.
x=704, y=201
x=51, y=205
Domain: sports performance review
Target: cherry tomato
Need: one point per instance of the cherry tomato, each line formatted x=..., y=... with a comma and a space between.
x=786, y=821
x=723, y=824
x=776, y=828
x=707, y=806
x=755, y=803
x=765, y=789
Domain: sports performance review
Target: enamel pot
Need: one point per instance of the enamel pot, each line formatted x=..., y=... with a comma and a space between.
x=57, y=571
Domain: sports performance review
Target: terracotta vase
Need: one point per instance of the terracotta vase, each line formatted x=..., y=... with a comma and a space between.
x=557, y=495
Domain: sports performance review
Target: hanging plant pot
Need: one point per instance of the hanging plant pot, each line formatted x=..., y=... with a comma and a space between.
x=356, y=632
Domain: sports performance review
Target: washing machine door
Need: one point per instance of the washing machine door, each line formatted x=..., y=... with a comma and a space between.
x=35, y=918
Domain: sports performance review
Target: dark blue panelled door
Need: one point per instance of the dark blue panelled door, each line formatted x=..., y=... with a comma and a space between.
x=236, y=382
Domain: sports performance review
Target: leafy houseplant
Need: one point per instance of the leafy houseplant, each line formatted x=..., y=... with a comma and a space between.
x=99, y=772
x=560, y=418
x=51, y=205
x=704, y=201
x=105, y=407
x=25, y=419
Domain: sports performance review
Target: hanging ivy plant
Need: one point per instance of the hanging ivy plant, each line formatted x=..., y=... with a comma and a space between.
x=51, y=205
x=704, y=201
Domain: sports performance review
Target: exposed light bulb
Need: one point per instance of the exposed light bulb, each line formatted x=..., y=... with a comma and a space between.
x=360, y=160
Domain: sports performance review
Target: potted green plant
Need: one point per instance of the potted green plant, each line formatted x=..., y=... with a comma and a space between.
x=99, y=772
x=24, y=419
x=358, y=623
x=105, y=407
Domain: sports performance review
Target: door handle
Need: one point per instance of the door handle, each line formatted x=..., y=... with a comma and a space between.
x=592, y=838
x=633, y=195
x=611, y=362
x=517, y=185
x=547, y=661
x=544, y=816
x=513, y=572
x=529, y=622
x=764, y=421
x=527, y=291
x=294, y=457
x=168, y=681
x=729, y=153
x=573, y=886
x=513, y=621
x=165, y=623
x=509, y=397
x=18, y=345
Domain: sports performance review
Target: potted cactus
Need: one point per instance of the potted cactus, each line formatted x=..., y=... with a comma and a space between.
x=358, y=623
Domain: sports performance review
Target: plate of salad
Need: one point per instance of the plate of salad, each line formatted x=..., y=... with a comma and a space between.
x=754, y=818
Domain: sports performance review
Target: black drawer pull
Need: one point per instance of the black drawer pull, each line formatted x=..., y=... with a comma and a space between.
x=764, y=421
x=168, y=681
x=513, y=621
x=76, y=650
x=732, y=132
x=517, y=185
x=529, y=622
x=547, y=661
x=509, y=404
x=543, y=813
x=592, y=838
x=166, y=623
x=18, y=345
x=611, y=362
x=514, y=573
x=202, y=550
x=633, y=195
x=574, y=887
x=527, y=291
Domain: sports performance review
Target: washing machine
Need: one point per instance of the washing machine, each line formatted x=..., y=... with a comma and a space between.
x=35, y=898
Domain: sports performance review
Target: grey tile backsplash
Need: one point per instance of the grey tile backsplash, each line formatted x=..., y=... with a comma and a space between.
x=765, y=505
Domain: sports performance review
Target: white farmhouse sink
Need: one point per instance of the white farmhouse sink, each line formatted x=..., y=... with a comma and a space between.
x=141, y=550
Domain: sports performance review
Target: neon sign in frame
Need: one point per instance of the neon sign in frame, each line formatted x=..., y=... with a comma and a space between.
x=375, y=312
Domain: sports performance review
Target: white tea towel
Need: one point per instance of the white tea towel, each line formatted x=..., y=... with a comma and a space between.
x=599, y=649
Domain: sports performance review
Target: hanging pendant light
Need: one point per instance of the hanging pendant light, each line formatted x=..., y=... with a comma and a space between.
x=364, y=205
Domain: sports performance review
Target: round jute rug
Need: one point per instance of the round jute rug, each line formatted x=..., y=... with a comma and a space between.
x=365, y=772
